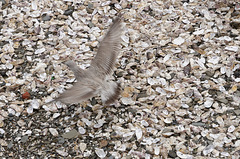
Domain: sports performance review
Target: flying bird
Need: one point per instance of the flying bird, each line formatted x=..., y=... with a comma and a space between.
x=95, y=79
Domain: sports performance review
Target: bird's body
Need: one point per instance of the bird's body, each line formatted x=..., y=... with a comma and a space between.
x=94, y=80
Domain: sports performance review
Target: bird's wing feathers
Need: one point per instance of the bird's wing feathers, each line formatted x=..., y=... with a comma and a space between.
x=108, y=50
x=78, y=72
x=80, y=91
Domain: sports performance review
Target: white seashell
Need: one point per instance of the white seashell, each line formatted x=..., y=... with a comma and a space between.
x=225, y=38
x=34, y=5
x=39, y=51
x=232, y=48
x=21, y=123
x=20, y=81
x=100, y=153
x=40, y=68
x=62, y=153
x=208, y=103
x=99, y=124
x=3, y=142
x=225, y=154
x=127, y=135
x=231, y=128
x=2, y=131
x=208, y=150
x=184, y=156
x=237, y=143
x=122, y=147
x=34, y=104
x=35, y=14
x=185, y=105
x=220, y=121
x=16, y=107
x=144, y=44
x=51, y=108
x=156, y=150
x=55, y=115
x=168, y=120
x=9, y=65
x=59, y=105
x=207, y=14
x=56, y=57
x=11, y=111
x=161, y=91
x=94, y=44
x=53, y=131
x=29, y=58
x=139, y=133
x=127, y=100
x=178, y=41
x=204, y=133
x=81, y=130
x=28, y=132
x=166, y=58
x=30, y=110
x=144, y=123
x=117, y=5
x=87, y=122
x=186, y=21
x=237, y=80
x=152, y=81
x=75, y=15
x=198, y=32
x=70, y=80
x=83, y=147
x=125, y=38
x=214, y=59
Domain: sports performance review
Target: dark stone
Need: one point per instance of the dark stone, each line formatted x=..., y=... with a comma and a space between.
x=69, y=11
x=93, y=102
x=2, y=84
x=3, y=73
x=237, y=112
x=198, y=124
x=10, y=115
x=172, y=154
x=71, y=134
x=235, y=25
x=109, y=119
x=46, y=17
x=142, y=94
x=10, y=145
x=210, y=73
x=24, y=139
x=237, y=73
x=89, y=108
x=119, y=74
x=61, y=140
x=133, y=111
x=90, y=24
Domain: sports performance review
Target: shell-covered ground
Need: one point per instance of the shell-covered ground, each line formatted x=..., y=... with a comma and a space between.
x=179, y=69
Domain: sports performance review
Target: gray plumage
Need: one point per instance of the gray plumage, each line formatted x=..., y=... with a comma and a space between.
x=94, y=80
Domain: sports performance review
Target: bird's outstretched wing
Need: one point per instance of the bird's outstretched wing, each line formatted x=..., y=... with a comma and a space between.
x=78, y=72
x=108, y=50
x=80, y=91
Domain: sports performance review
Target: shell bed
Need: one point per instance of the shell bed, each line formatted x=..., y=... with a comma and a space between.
x=179, y=69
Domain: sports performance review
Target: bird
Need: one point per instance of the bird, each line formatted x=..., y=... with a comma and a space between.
x=95, y=79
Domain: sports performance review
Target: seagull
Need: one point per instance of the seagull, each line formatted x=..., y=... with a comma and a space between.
x=95, y=79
